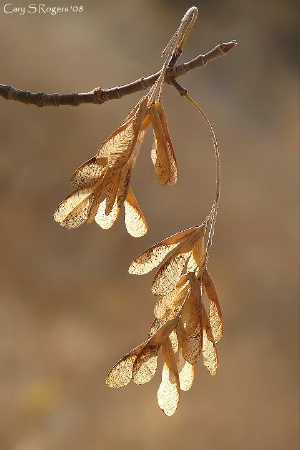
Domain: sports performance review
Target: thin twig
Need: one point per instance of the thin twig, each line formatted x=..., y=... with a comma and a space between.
x=98, y=96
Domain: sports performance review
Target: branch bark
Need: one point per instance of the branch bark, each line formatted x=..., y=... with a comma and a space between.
x=98, y=95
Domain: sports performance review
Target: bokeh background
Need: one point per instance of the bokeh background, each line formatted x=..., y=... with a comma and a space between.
x=69, y=309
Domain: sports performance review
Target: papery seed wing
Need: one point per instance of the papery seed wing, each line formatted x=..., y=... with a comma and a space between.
x=209, y=350
x=159, y=335
x=190, y=314
x=189, y=329
x=121, y=373
x=196, y=259
x=112, y=191
x=136, y=149
x=169, y=274
x=159, y=153
x=174, y=341
x=172, y=158
x=169, y=305
x=120, y=144
x=215, y=314
x=186, y=372
x=73, y=211
x=135, y=221
x=145, y=365
x=154, y=255
x=119, y=147
x=155, y=325
x=88, y=174
x=190, y=345
x=107, y=221
x=168, y=393
x=98, y=196
x=124, y=184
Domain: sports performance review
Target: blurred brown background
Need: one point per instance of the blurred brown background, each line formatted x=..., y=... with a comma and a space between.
x=69, y=309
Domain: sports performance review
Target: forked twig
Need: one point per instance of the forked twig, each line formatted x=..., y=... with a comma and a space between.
x=98, y=95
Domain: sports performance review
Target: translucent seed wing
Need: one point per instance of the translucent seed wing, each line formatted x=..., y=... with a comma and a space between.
x=186, y=372
x=190, y=344
x=112, y=191
x=215, y=314
x=190, y=314
x=107, y=221
x=120, y=144
x=159, y=153
x=196, y=259
x=189, y=329
x=169, y=274
x=168, y=393
x=121, y=373
x=98, y=196
x=124, y=184
x=171, y=154
x=145, y=365
x=160, y=331
x=155, y=325
x=119, y=147
x=154, y=255
x=73, y=211
x=174, y=341
x=135, y=221
x=137, y=146
x=209, y=350
x=88, y=174
x=168, y=305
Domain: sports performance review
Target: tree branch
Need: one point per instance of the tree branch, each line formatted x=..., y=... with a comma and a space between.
x=98, y=96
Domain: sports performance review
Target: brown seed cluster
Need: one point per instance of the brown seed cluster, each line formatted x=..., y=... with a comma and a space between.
x=102, y=184
x=183, y=327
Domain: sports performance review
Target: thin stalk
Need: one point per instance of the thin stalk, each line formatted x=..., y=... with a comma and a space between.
x=212, y=216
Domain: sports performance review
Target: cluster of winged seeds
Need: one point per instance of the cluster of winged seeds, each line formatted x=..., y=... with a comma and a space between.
x=183, y=327
x=188, y=319
x=102, y=184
